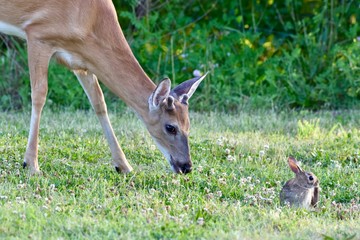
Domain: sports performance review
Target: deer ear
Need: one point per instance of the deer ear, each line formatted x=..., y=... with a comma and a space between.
x=185, y=90
x=294, y=166
x=161, y=93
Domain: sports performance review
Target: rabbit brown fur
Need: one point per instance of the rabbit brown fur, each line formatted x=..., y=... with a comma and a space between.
x=301, y=191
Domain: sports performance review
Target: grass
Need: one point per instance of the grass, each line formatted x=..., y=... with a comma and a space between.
x=239, y=168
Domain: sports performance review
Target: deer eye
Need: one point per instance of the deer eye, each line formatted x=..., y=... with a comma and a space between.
x=311, y=178
x=170, y=129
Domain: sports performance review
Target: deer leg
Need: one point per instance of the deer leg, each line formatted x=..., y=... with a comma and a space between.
x=39, y=55
x=92, y=88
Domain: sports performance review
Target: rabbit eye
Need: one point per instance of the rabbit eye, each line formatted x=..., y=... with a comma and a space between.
x=311, y=178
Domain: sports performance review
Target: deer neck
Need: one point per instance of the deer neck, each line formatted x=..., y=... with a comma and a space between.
x=117, y=68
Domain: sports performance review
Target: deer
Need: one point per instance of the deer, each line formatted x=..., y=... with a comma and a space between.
x=85, y=36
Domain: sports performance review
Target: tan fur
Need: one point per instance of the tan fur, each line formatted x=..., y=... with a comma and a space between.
x=85, y=36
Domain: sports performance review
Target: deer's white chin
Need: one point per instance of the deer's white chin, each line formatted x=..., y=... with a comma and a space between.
x=174, y=168
x=168, y=156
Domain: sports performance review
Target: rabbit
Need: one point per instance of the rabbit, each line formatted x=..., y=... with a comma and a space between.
x=301, y=191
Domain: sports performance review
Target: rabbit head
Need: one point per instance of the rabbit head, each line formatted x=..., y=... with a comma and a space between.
x=302, y=178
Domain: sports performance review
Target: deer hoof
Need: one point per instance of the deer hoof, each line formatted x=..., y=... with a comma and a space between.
x=32, y=171
x=127, y=170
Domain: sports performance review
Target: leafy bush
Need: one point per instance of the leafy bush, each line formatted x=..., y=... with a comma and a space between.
x=261, y=54
x=13, y=75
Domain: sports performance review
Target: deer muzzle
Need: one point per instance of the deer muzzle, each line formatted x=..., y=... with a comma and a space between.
x=180, y=167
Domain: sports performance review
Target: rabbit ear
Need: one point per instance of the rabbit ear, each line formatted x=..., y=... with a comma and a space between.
x=294, y=166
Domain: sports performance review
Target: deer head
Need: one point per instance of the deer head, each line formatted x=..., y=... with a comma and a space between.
x=169, y=123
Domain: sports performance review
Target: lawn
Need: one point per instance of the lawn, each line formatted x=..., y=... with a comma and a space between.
x=239, y=169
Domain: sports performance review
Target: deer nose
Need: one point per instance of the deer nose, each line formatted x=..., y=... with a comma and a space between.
x=186, y=168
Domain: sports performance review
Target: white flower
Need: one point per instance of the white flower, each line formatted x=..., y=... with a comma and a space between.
x=227, y=151
x=230, y=158
x=209, y=195
x=222, y=181
x=152, y=191
x=200, y=221
x=175, y=182
x=318, y=164
x=197, y=73
x=261, y=153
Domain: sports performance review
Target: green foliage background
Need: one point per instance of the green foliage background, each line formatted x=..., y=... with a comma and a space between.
x=261, y=54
